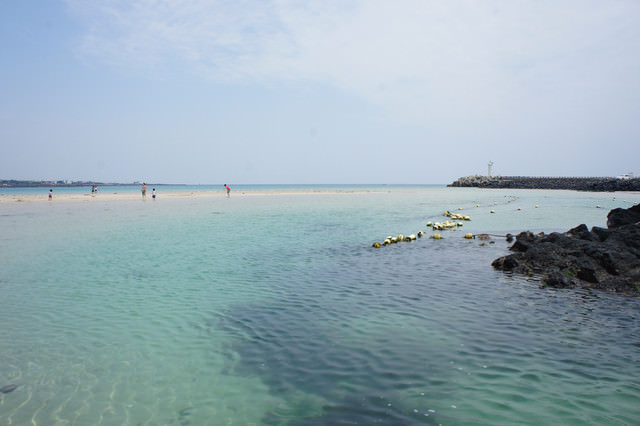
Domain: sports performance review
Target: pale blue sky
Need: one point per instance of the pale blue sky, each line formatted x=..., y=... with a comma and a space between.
x=343, y=91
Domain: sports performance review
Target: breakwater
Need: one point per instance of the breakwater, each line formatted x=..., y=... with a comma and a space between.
x=573, y=183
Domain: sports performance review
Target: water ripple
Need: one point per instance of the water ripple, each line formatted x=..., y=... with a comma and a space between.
x=275, y=313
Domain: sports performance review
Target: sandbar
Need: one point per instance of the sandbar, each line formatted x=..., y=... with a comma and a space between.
x=128, y=195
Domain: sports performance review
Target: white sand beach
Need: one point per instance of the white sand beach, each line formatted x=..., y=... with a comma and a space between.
x=103, y=196
x=65, y=197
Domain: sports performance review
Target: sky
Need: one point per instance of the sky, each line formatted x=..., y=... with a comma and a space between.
x=317, y=92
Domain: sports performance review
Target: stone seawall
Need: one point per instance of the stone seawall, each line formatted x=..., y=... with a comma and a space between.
x=573, y=183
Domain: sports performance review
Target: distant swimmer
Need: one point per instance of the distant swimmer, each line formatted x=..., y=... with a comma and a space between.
x=228, y=190
x=51, y=194
x=144, y=190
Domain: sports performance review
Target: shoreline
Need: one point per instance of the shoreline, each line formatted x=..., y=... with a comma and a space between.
x=121, y=196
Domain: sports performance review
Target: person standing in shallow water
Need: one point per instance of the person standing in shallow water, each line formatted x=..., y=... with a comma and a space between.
x=228, y=190
x=50, y=194
x=153, y=194
x=144, y=191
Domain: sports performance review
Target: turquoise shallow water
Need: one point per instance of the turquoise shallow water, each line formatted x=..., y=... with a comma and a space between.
x=274, y=309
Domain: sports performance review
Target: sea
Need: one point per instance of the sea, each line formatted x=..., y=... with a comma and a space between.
x=271, y=307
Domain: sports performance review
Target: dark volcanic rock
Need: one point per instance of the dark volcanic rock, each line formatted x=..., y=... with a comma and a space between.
x=607, y=259
x=620, y=217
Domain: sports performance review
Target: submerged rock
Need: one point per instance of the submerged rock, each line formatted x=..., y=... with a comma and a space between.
x=8, y=388
x=607, y=259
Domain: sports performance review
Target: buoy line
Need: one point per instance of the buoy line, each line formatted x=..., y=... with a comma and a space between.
x=448, y=225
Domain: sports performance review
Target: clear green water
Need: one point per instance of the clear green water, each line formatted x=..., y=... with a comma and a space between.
x=276, y=310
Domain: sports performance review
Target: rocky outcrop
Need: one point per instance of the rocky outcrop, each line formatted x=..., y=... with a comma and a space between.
x=572, y=183
x=600, y=258
x=620, y=217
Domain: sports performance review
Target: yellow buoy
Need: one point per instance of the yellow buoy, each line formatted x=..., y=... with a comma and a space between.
x=376, y=245
x=492, y=211
x=436, y=236
x=468, y=236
